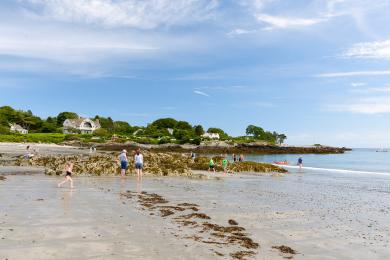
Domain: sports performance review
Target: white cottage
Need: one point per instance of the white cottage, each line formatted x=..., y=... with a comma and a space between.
x=17, y=128
x=84, y=125
x=211, y=135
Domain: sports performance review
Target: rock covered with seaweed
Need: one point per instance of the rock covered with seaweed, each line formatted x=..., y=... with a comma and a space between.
x=159, y=164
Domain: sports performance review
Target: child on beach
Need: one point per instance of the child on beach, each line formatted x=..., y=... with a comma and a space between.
x=124, y=162
x=68, y=176
x=139, y=164
x=212, y=165
x=225, y=165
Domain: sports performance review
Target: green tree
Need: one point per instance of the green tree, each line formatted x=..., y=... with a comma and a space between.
x=199, y=131
x=281, y=138
x=121, y=127
x=255, y=131
x=183, y=125
x=164, y=123
x=61, y=117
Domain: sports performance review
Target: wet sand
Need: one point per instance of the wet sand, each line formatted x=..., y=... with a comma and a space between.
x=318, y=216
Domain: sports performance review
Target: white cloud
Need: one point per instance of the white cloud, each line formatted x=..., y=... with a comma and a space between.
x=201, y=93
x=238, y=31
x=284, y=22
x=385, y=89
x=69, y=45
x=373, y=50
x=354, y=73
x=145, y=14
x=357, y=84
x=370, y=105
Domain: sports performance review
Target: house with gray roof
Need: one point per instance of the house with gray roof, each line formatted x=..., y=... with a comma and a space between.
x=82, y=125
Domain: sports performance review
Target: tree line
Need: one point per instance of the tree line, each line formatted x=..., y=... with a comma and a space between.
x=165, y=130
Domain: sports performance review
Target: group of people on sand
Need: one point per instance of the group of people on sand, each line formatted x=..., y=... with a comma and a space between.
x=122, y=160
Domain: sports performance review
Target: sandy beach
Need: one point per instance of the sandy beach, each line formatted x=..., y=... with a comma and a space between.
x=307, y=215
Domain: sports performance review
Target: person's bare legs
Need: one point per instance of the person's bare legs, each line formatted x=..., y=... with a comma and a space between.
x=123, y=173
x=71, y=182
x=67, y=178
x=61, y=183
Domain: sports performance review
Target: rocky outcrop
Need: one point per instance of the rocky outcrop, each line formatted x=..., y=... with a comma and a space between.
x=226, y=148
x=160, y=164
x=202, y=163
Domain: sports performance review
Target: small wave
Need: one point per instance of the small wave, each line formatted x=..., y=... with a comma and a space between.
x=334, y=170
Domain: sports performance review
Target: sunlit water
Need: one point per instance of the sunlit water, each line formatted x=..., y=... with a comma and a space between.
x=356, y=161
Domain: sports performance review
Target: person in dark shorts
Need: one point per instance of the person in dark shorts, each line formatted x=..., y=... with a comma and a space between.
x=124, y=162
x=211, y=165
x=68, y=176
x=139, y=163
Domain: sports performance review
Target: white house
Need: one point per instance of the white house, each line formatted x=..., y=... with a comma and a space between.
x=84, y=125
x=211, y=135
x=17, y=128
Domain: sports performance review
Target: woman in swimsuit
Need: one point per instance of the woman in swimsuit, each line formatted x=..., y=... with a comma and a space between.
x=68, y=176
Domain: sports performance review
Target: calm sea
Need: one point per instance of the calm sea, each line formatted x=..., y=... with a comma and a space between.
x=355, y=161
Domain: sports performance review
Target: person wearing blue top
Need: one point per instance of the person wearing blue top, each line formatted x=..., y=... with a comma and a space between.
x=300, y=162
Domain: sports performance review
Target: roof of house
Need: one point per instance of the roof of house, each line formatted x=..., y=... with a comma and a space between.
x=78, y=121
x=17, y=127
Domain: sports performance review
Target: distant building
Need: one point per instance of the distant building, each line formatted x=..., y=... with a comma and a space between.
x=84, y=125
x=211, y=135
x=17, y=128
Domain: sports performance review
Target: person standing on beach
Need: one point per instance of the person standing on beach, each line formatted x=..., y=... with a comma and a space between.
x=225, y=165
x=68, y=176
x=124, y=162
x=212, y=165
x=234, y=158
x=139, y=164
x=193, y=155
x=241, y=159
x=300, y=162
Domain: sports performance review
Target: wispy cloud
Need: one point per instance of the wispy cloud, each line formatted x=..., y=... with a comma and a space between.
x=239, y=31
x=385, y=89
x=370, y=105
x=373, y=50
x=354, y=74
x=357, y=84
x=146, y=14
x=284, y=22
x=201, y=93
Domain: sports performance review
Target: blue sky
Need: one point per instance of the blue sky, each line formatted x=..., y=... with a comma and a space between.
x=316, y=70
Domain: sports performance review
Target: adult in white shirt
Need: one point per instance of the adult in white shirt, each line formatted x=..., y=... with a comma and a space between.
x=139, y=164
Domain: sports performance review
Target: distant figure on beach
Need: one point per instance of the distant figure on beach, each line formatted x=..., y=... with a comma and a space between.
x=225, y=165
x=234, y=158
x=29, y=154
x=68, y=176
x=300, y=162
x=124, y=162
x=211, y=165
x=193, y=156
x=241, y=159
x=139, y=163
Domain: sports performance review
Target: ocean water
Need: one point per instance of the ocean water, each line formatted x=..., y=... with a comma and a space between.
x=356, y=161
